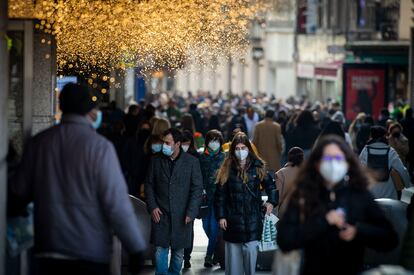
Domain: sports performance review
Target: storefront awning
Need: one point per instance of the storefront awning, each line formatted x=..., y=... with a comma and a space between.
x=379, y=52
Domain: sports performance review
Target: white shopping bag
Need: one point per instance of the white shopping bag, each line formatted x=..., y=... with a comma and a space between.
x=269, y=233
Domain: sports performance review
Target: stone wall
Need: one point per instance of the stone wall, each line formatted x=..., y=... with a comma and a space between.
x=44, y=82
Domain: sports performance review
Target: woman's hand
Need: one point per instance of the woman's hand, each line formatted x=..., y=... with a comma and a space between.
x=223, y=224
x=335, y=218
x=269, y=208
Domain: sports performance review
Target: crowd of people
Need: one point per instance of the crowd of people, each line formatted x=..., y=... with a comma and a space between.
x=225, y=132
x=212, y=157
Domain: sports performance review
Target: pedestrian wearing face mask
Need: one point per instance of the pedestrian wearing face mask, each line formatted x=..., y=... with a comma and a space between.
x=73, y=176
x=153, y=145
x=331, y=215
x=238, y=205
x=210, y=161
x=173, y=190
x=188, y=146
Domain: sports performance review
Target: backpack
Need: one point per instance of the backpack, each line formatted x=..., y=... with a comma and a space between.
x=378, y=162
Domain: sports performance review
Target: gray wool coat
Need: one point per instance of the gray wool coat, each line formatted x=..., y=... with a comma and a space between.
x=178, y=194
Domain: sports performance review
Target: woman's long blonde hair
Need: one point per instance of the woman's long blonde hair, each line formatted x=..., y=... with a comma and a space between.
x=160, y=126
x=224, y=171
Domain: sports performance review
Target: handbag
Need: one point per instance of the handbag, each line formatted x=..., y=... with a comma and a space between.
x=204, y=207
x=287, y=263
x=269, y=234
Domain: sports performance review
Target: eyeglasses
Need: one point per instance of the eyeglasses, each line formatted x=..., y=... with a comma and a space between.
x=335, y=157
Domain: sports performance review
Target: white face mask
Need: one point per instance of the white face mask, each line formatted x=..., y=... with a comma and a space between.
x=185, y=147
x=214, y=145
x=242, y=154
x=334, y=170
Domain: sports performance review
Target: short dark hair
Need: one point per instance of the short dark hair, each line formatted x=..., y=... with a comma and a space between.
x=270, y=113
x=296, y=156
x=175, y=133
x=132, y=108
x=76, y=99
x=213, y=135
x=187, y=136
x=385, y=112
x=378, y=132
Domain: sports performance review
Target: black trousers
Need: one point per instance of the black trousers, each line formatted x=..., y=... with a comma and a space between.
x=49, y=266
x=189, y=250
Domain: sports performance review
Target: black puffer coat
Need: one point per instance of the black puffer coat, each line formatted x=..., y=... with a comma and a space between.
x=241, y=207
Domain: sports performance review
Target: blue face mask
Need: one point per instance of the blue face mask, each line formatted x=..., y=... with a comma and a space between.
x=242, y=154
x=156, y=148
x=97, y=123
x=167, y=150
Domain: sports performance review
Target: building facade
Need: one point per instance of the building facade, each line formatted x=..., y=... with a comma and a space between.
x=344, y=45
x=267, y=67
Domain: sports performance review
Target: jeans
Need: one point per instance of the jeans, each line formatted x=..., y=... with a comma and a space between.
x=211, y=227
x=161, y=261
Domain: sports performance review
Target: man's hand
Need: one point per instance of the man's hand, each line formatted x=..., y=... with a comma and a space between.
x=156, y=215
x=269, y=208
x=188, y=220
x=349, y=233
x=223, y=224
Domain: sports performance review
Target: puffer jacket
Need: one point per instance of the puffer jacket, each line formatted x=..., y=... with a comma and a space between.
x=209, y=165
x=241, y=205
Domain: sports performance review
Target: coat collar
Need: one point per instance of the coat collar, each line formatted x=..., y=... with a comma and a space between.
x=78, y=119
x=178, y=163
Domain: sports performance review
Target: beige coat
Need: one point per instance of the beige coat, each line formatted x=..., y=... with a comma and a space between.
x=268, y=140
x=285, y=179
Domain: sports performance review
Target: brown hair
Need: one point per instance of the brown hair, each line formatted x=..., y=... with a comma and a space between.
x=232, y=161
x=187, y=123
x=394, y=125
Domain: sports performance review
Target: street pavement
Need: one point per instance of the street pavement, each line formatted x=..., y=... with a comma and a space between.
x=197, y=257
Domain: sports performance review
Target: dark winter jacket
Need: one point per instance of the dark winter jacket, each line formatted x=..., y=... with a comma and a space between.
x=302, y=137
x=72, y=175
x=209, y=165
x=241, y=205
x=236, y=121
x=324, y=251
x=136, y=164
x=176, y=188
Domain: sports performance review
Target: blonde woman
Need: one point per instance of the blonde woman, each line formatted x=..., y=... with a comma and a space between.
x=238, y=205
x=153, y=145
x=354, y=128
x=160, y=126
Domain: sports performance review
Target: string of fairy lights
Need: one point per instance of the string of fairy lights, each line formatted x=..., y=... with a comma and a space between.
x=150, y=34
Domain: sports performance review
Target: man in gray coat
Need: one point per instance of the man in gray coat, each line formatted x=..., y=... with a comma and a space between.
x=73, y=176
x=173, y=190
